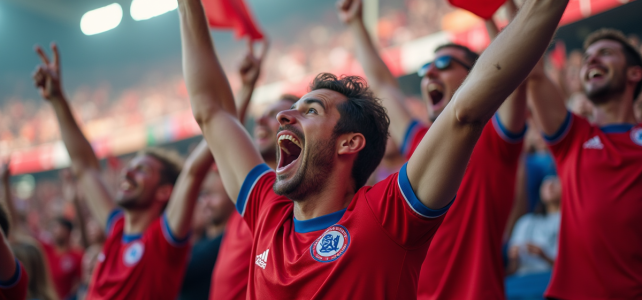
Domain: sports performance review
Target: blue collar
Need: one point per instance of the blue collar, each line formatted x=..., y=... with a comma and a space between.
x=616, y=128
x=128, y=238
x=318, y=223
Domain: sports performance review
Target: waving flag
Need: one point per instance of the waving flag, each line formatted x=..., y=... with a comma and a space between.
x=232, y=14
x=483, y=8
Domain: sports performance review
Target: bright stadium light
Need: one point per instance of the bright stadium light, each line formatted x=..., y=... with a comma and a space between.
x=146, y=9
x=101, y=19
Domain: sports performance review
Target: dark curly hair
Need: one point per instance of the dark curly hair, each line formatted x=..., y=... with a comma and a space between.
x=362, y=113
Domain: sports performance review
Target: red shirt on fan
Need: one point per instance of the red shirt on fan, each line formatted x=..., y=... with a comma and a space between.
x=600, y=241
x=16, y=287
x=150, y=265
x=372, y=250
x=465, y=258
x=65, y=268
x=229, y=280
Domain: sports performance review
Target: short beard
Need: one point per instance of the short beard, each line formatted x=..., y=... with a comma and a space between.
x=605, y=93
x=311, y=178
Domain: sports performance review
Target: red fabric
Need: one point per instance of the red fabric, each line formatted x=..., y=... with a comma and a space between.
x=558, y=55
x=18, y=289
x=466, y=251
x=65, y=268
x=229, y=281
x=483, y=8
x=600, y=234
x=386, y=243
x=150, y=266
x=232, y=14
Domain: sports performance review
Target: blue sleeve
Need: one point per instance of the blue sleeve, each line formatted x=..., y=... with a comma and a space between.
x=409, y=136
x=169, y=236
x=505, y=134
x=414, y=202
x=113, y=216
x=248, y=184
x=561, y=132
x=15, y=278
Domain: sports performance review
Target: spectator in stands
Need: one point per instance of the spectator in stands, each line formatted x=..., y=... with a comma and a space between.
x=147, y=237
x=533, y=244
x=40, y=283
x=13, y=275
x=198, y=277
x=599, y=168
x=65, y=262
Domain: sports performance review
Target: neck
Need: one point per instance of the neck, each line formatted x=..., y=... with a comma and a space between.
x=136, y=221
x=62, y=247
x=552, y=208
x=334, y=196
x=616, y=110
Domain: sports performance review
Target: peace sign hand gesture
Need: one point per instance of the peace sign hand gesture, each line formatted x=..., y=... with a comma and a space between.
x=47, y=75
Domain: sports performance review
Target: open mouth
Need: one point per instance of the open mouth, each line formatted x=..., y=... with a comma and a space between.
x=436, y=93
x=128, y=184
x=596, y=73
x=290, y=150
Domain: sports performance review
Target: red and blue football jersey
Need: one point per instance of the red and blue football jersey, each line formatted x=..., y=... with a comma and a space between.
x=16, y=287
x=600, y=241
x=229, y=280
x=150, y=265
x=65, y=268
x=465, y=258
x=373, y=249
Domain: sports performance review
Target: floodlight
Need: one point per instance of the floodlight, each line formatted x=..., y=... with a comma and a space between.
x=146, y=9
x=101, y=19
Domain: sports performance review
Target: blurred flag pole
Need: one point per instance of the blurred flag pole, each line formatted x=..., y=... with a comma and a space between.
x=370, y=17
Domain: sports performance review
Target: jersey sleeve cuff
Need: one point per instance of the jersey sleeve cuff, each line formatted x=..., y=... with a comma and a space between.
x=248, y=185
x=411, y=199
x=170, y=237
x=408, y=137
x=505, y=134
x=561, y=132
x=15, y=278
x=111, y=219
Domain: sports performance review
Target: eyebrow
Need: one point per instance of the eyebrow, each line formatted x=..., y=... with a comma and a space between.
x=310, y=101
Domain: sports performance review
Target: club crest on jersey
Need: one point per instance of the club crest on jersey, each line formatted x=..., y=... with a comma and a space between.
x=331, y=244
x=636, y=136
x=133, y=253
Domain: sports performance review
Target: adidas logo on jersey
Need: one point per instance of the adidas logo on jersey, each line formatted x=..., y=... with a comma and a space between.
x=261, y=259
x=594, y=143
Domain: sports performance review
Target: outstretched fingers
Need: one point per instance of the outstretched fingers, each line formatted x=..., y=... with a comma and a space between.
x=56, y=55
x=43, y=55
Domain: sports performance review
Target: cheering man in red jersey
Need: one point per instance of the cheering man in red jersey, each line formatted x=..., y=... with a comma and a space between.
x=318, y=233
x=467, y=249
x=598, y=164
x=145, y=254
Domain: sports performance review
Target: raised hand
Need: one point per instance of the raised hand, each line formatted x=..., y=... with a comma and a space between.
x=47, y=75
x=251, y=65
x=69, y=187
x=349, y=10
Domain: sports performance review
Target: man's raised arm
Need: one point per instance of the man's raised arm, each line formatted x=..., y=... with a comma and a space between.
x=546, y=100
x=212, y=101
x=188, y=185
x=437, y=166
x=380, y=79
x=84, y=162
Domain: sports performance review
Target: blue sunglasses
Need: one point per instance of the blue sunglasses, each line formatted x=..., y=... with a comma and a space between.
x=442, y=63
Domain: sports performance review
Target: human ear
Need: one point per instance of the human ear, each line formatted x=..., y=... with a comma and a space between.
x=351, y=143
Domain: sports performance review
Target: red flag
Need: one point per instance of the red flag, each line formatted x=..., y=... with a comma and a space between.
x=232, y=14
x=483, y=8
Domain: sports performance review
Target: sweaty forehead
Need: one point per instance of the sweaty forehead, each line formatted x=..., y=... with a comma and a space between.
x=145, y=160
x=329, y=98
x=454, y=52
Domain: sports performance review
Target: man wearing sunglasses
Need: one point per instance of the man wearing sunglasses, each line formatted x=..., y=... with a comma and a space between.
x=464, y=260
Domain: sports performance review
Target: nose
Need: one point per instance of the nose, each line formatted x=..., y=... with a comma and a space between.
x=286, y=117
x=432, y=71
